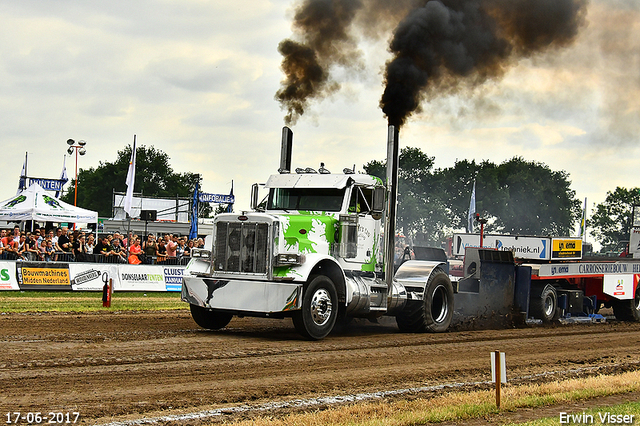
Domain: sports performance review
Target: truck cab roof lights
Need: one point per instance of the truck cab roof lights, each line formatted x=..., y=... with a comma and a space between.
x=323, y=171
x=308, y=170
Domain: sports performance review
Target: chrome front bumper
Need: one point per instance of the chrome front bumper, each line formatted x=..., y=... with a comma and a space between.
x=242, y=296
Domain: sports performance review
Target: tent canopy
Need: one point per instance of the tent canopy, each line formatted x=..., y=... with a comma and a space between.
x=35, y=203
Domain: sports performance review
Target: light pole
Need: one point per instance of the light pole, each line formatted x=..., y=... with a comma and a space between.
x=79, y=147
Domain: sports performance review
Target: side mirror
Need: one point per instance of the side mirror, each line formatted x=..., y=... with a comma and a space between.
x=378, y=202
x=254, y=196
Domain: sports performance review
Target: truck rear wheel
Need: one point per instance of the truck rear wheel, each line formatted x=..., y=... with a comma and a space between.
x=210, y=318
x=434, y=312
x=544, y=302
x=628, y=310
x=319, y=308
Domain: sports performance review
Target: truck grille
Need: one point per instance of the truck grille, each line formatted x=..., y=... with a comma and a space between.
x=241, y=247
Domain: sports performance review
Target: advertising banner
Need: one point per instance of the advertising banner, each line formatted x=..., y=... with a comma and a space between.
x=43, y=276
x=141, y=278
x=534, y=248
x=92, y=276
x=89, y=276
x=8, y=280
x=634, y=241
x=586, y=268
x=49, y=184
x=173, y=277
x=566, y=248
x=205, y=197
x=620, y=286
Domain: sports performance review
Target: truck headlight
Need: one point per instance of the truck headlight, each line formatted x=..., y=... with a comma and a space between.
x=202, y=253
x=287, y=259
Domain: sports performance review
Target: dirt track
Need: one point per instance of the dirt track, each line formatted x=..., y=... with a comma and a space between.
x=114, y=366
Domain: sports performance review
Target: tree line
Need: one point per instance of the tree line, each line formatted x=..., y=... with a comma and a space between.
x=516, y=197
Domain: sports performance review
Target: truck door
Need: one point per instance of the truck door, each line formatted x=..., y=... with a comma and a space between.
x=360, y=204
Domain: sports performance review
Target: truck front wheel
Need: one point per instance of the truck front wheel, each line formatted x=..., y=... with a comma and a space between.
x=544, y=302
x=210, y=318
x=628, y=310
x=434, y=312
x=319, y=308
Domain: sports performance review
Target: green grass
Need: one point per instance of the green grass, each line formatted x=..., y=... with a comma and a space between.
x=628, y=409
x=84, y=301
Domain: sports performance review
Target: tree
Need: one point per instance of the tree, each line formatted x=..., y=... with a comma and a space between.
x=534, y=200
x=414, y=179
x=154, y=177
x=611, y=222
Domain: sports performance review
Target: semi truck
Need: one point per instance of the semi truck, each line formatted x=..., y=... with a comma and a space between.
x=315, y=249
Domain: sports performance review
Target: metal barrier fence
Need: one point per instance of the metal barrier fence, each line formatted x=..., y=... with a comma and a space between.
x=66, y=257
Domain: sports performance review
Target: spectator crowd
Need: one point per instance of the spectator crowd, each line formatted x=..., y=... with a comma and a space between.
x=61, y=244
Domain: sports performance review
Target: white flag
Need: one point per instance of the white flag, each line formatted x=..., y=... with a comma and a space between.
x=131, y=178
x=63, y=176
x=22, y=184
x=472, y=210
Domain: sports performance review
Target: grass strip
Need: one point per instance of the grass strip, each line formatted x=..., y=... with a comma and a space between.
x=460, y=406
x=86, y=301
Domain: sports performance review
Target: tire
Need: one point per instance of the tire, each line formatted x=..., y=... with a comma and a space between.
x=628, y=310
x=210, y=318
x=319, y=308
x=432, y=314
x=544, y=302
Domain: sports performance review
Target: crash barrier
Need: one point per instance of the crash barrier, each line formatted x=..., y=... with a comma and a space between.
x=60, y=256
x=86, y=276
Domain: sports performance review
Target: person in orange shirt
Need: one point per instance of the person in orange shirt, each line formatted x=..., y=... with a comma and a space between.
x=134, y=251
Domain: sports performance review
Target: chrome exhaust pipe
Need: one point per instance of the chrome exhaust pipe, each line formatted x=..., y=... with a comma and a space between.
x=392, y=202
x=285, y=151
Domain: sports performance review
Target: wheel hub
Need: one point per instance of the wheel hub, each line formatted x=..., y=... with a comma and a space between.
x=439, y=305
x=321, y=307
x=549, y=305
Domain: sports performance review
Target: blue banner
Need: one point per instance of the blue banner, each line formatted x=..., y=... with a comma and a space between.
x=48, y=184
x=203, y=197
x=193, y=231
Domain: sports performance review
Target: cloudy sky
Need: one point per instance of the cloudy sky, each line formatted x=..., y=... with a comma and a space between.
x=197, y=79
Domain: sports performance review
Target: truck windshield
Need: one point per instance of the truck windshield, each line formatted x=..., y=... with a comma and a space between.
x=308, y=199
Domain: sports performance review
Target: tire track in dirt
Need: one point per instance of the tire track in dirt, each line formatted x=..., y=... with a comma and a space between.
x=133, y=364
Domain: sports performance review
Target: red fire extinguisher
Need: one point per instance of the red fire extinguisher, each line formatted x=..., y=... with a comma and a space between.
x=107, y=291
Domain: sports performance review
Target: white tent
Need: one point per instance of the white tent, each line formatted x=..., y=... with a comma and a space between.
x=35, y=203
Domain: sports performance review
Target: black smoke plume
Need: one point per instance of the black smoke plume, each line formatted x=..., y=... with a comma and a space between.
x=322, y=26
x=444, y=42
x=439, y=46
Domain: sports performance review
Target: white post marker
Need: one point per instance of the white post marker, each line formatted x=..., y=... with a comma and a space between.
x=498, y=369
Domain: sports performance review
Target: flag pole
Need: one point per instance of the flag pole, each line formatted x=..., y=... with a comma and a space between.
x=128, y=200
x=583, y=231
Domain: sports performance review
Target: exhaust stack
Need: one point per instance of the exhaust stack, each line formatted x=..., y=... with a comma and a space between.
x=285, y=151
x=392, y=200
